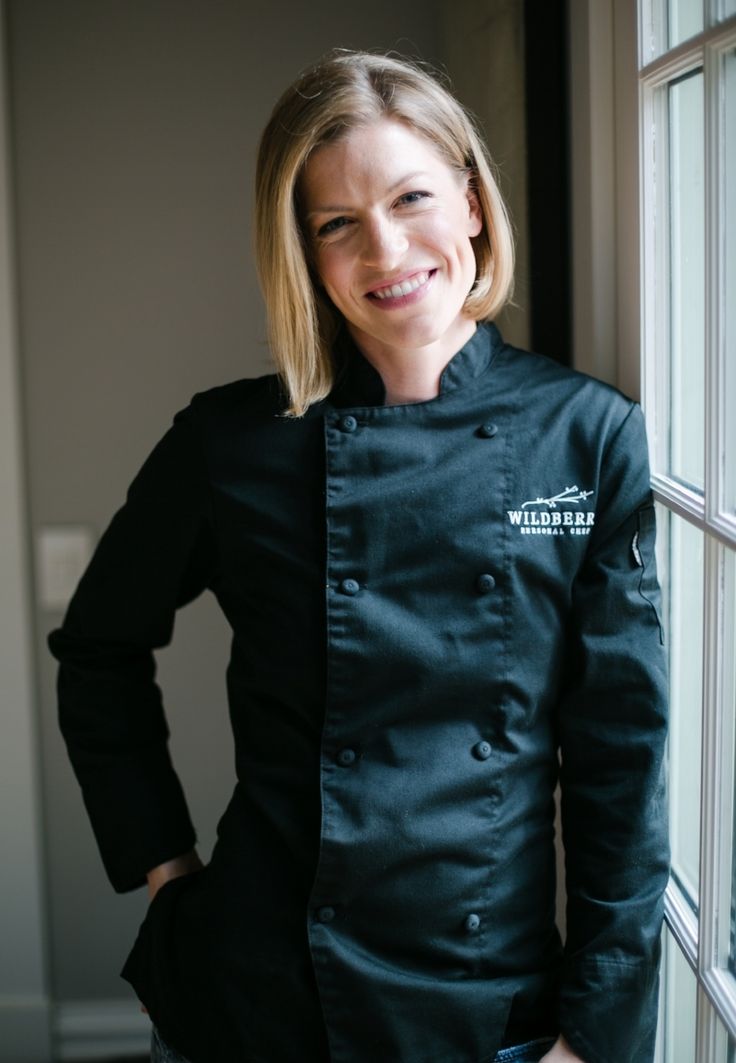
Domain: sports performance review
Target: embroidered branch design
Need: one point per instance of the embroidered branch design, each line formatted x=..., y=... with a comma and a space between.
x=570, y=494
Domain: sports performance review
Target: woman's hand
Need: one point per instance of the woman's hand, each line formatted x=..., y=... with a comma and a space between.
x=560, y=1052
x=180, y=865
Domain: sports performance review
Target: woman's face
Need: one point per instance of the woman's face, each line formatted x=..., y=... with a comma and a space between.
x=389, y=225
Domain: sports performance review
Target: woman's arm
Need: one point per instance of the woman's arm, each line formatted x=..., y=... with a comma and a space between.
x=156, y=555
x=612, y=727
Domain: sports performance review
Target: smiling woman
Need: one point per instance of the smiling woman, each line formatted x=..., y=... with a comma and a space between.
x=375, y=144
x=436, y=555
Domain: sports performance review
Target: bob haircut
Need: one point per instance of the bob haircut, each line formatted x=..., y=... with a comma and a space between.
x=343, y=91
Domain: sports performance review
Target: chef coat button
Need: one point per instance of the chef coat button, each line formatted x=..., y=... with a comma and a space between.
x=350, y=586
x=485, y=583
x=346, y=757
x=325, y=914
x=472, y=923
x=487, y=430
x=482, y=750
x=348, y=423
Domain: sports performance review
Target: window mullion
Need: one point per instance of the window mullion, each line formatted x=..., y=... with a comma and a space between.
x=682, y=922
x=680, y=499
x=719, y=990
x=715, y=384
x=707, y=1031
x=686, y=503
x=670, y=62
x=717, y=786
x=719, y=442
x=710, y=13
x=717, y=795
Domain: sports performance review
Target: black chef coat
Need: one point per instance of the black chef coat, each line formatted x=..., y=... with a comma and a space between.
x=429, y=603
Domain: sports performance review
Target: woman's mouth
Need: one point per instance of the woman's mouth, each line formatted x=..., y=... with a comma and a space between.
x=403, y=291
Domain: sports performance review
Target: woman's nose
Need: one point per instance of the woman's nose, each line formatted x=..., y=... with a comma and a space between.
x=384, y=243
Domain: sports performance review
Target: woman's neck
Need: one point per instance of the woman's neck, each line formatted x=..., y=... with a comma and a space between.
x=414, y=374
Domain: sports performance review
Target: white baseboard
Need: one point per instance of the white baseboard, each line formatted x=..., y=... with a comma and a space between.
x=100, y=1029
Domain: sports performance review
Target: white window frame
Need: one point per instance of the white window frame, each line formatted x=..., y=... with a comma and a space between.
x=701, y=937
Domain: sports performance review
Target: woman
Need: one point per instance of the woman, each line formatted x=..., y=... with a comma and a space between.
x=436, y=555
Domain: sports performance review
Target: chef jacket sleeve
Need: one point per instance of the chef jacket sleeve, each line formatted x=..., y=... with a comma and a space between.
x=156, y=555
x=612, y=725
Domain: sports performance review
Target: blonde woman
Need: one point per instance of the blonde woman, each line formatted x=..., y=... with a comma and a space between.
x=436, y=555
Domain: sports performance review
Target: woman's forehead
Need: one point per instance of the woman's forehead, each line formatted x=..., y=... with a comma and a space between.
x=383, y=153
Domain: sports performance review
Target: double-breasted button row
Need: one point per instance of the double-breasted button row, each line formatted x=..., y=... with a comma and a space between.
x=348, y=423
x=484, y=584
x=326, y=913
x=347, y=757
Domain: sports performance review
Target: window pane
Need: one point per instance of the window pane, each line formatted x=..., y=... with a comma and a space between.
x=677, y=1023
x=651, y=26
x=685, y=19
x=682, y=584
x=687, y=288
x=729, y=302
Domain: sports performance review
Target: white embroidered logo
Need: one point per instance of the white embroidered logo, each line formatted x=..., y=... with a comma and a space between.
x=554, y=520
x=570, y=494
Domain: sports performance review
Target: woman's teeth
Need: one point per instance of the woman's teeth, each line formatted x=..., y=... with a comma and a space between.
x=407, y=286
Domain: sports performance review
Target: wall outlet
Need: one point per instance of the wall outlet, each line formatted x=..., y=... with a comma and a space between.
x=62, y=554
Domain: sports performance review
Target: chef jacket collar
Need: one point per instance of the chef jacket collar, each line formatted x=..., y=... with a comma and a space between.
x=359, y=384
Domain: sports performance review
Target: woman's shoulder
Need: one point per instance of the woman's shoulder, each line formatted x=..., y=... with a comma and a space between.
x=254, y=396
x=544, y=387
x=243, y=416
x=234, y=407
x=537, y=372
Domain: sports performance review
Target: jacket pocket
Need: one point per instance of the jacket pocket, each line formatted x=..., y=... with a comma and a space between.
x=151, y=967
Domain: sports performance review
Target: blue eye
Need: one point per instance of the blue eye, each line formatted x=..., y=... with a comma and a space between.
x=332, y=226
x=413, y=197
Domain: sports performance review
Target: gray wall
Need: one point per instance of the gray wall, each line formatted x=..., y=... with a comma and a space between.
x=135, y=125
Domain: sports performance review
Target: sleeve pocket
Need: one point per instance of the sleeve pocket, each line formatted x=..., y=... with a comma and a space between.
x=643, y=557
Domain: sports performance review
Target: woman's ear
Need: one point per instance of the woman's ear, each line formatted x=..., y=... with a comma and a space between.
x=475, y=211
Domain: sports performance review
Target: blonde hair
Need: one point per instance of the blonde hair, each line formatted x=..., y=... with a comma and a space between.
x=344, y=90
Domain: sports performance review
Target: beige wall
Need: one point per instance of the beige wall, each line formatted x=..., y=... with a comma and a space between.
x=134, y=131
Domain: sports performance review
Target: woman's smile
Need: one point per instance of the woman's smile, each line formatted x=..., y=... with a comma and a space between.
x=405, y=291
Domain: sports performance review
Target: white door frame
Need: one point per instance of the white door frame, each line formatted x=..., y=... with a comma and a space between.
x=24, y=996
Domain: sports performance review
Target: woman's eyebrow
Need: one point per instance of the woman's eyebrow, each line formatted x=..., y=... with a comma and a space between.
x=336, y=208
